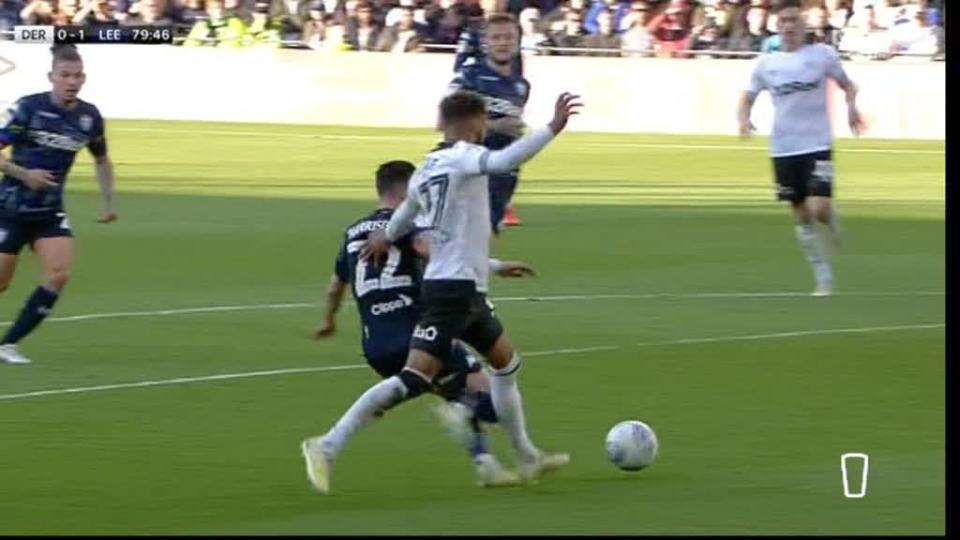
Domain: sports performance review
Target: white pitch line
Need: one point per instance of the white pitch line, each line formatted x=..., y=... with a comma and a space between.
x=320, y=369
x=396, y=138
x=556, y=298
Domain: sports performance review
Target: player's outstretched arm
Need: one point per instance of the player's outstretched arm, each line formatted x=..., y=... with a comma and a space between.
x=335, y=292
x=104, y=172
x=516, y=154
x=836, y=72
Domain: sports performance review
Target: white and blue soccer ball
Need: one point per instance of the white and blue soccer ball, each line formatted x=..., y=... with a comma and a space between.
x=632, y=445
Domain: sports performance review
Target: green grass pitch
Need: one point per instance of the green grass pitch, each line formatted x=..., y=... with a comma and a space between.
x=630, y=235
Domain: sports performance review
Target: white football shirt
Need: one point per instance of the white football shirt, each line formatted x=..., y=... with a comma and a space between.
x=797, y=82
x=451, y=189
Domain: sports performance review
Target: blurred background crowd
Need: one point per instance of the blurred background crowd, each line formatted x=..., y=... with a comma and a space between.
x=878, y=29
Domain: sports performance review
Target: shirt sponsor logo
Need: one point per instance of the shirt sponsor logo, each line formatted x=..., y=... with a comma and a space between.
x=427, y=334
x=793, y=87
x=57, y=141
x=383, y=308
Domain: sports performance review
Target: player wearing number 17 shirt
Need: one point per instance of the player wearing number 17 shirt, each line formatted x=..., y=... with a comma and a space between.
x=388, y=302
x=801, y=141
x=449, y=195
x=46, y=131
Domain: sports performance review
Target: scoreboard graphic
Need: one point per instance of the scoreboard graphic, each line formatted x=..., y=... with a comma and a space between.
x=81, y=35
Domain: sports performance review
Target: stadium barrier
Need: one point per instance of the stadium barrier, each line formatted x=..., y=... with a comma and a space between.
x=691, y=96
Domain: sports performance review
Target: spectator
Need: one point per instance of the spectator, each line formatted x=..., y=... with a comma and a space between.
x=671, y=32
x=636, y=40
x=708, y=38
x=265, y=30
x=617, y=9
x=446, y=20
x=9, y=16
x=757, y=25
x=572, y=34
x=67, y=10
x=917, y=36
x=818, y=23
x=315, y=25
x=839, y=13
x=531, y=38
x=292, y=15
x=189, y=11
x=555, y=20
x=38, y=12
x=148, y=13
x=362, y=30
x=403, y=37
x=603, y=38
x=864, y=35
x=395, y=13
x=219, y=28
x=639, y=11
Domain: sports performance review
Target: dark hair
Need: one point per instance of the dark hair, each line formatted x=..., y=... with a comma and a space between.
x=392, y=174
x=65, y=53
x=461, y=105
x=787, y=4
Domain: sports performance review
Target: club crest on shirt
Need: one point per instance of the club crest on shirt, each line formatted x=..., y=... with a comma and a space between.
x=521, y=87
x=86, y=122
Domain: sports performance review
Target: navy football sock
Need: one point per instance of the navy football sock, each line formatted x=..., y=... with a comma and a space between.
x=483, y=409
x=36, y=309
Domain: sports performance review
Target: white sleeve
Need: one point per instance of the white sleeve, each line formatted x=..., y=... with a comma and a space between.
x=756, y=81
x=833, y=66
x=478, y=160
x=402, y=220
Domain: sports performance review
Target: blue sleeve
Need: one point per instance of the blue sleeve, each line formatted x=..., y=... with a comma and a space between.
x=342, y=265
x=468, y=49
x=13, y=123
x=98, y=137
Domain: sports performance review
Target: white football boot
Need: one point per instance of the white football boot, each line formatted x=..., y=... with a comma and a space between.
x=10, y=354
x=319, y=463
x=491, y=474
x=544, y=463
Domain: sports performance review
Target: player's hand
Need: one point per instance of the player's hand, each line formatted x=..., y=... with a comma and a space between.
x=327, y=329
x=37, y=179
x=746, y=128
x=567, y=105
x=857, y=125
x=107, y=216
x=376, y=247
x=516, y=269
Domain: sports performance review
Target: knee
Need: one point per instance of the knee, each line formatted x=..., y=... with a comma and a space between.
x=57, y=278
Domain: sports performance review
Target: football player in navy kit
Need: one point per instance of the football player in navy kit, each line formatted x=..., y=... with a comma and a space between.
x=45, y=132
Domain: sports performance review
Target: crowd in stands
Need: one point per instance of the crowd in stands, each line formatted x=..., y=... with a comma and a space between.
x=665, y=28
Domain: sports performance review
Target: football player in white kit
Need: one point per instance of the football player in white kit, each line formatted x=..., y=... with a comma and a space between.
x=801, y=141
x=449, y=192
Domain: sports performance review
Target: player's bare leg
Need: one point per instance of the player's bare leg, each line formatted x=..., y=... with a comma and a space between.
x=415, y=379
x=56, y=259
x=508, y=404
x=824, y=210
x=812, y=250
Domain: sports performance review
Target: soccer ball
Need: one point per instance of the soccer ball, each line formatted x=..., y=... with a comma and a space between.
x=631, y=445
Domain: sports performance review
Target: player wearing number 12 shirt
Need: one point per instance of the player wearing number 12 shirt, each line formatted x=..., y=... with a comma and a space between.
x=45, y=132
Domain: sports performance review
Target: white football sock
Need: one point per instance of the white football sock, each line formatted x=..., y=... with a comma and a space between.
x=369, y=406
x=509, y=407
x=810, y=243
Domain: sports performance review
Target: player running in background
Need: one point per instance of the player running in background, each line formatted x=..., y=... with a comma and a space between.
x=450, y=193
x=388, y=300
x=495, y=73
x=45, y=132
x=801, y=141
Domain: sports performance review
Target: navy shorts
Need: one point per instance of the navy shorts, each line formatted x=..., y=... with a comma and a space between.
x=502, y=187
x=453, y=310
x=451, y=380
x=805, y=175
x=18, y=231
